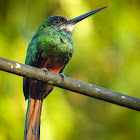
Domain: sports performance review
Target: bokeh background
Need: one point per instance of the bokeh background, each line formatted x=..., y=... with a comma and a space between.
x=107, y=53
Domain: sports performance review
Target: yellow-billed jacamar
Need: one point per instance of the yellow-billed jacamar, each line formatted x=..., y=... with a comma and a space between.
x=50, y=48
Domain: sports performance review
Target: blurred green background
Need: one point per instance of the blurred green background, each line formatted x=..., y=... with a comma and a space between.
x=107, y=54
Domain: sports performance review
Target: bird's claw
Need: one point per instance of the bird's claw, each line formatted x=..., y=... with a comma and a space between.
x=45, y=70
x=62, y=76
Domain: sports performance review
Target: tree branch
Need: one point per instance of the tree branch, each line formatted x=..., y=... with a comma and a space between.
x=70, y=84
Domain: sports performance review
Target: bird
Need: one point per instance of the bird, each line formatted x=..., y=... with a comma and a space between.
x=50, y=49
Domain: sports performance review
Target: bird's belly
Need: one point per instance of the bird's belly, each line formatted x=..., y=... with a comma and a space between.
x=39, y=90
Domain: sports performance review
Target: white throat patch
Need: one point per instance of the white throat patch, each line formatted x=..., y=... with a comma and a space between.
x=68, y=28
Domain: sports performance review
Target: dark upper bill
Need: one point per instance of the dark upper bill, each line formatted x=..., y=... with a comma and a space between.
x=79, y=18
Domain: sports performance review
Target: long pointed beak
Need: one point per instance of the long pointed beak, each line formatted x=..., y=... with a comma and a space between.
x=79, y=18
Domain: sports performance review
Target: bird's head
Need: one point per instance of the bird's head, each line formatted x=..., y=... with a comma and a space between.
x=66, y=23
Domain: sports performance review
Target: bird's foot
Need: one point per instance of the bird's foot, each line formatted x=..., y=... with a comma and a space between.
x=62, y=76
x=45, y=70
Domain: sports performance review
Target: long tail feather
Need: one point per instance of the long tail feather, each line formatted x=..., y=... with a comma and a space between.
x=32, y=123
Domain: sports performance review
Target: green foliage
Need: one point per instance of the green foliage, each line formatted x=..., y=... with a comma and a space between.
x=106, y=53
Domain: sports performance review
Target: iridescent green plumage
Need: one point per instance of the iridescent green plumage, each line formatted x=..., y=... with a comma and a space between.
x=47, y=39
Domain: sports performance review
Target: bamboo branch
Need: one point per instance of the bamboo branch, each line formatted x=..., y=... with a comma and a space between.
x=70, y=84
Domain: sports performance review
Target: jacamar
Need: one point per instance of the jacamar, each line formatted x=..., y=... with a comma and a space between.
x=50, y=49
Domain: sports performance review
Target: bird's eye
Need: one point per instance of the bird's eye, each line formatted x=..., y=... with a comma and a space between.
x=56, y=21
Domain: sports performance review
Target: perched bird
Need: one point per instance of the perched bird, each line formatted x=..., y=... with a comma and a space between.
x=50, y=49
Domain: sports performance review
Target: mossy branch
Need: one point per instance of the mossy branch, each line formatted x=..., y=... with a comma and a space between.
x=70, y=84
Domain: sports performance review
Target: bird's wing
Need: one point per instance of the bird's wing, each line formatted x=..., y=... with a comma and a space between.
x=33, y=54
x=37, y=49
